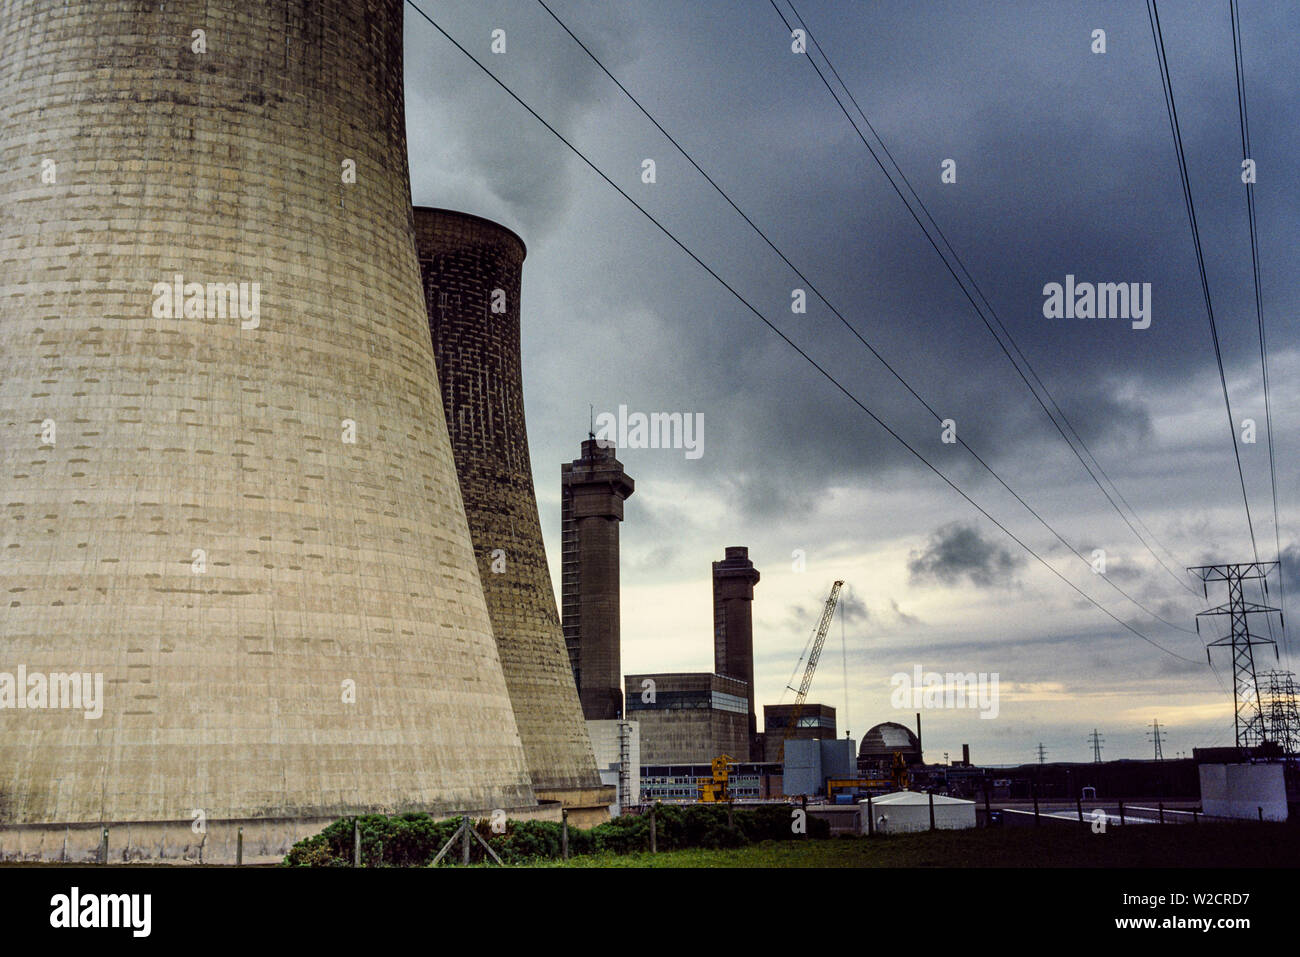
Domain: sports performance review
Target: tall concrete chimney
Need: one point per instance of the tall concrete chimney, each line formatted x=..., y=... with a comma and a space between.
x=734, y=579
x=592, y=490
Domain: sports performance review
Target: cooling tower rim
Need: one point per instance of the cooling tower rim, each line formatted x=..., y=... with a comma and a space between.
x=482, y=220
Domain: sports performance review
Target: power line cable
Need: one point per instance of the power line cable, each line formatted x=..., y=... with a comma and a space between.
x=966, y=293
x=885, y=149
x=844, y=320
x=767, y=322
x=1157, y=35
x=1239, y=65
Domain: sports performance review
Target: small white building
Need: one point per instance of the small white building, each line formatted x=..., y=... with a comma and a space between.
x=1250, y=792
x=905, y=811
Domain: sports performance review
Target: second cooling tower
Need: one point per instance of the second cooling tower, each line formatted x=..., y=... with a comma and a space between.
x=471, y=270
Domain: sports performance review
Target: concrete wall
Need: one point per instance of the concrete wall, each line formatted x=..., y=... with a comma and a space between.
x=323, y=561
x=266, y=841
x=1240, y=790
x=694, y=736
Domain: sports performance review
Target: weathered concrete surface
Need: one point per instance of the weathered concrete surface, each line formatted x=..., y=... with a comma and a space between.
x=587, y=807
x=322, y=561
x=465, y=262
x=266, y=841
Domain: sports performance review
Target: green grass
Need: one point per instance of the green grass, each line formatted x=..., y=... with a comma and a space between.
x=1201, y=845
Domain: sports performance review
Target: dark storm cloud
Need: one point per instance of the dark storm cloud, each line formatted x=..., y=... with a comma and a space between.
x=1060, y=210
x=1065, y=166
x=956, y=551
x=1290, y=567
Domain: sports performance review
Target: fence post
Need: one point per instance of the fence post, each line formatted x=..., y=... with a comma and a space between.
x=871, y=818
x=1079, y=803
x=356, y=843
x=988, y=811
x=103, y=847
x=464, y=853
x=1261, y=812
x=1121, y=812
x=1196, y=817
x=1162, y=812
x=564, y=833
x=653, y=848
x=932, y=810
x=239, y=847
x=1036, y=821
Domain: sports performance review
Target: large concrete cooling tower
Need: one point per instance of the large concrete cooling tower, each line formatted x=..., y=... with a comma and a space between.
x=226, y=482
x=471, y=269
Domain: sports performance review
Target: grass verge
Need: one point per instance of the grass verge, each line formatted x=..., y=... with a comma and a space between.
x=1201, y=845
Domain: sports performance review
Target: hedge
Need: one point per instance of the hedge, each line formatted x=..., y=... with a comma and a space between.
x=414, y=839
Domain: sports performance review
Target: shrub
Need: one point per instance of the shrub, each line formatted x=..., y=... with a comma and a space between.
x=414, y=839
x=525, y=840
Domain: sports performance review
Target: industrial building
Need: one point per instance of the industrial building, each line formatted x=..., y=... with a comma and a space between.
x=472, y=276
x=905, y=812
x=880, y=743
x=689, y=717
x=748, y=781
x=816, y=722
x=592, y=491
x=809, y=763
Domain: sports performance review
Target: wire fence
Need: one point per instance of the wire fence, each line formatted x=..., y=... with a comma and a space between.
x=1112, y=814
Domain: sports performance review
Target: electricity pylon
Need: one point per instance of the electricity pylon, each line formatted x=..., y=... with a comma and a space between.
x=1249, y=716
x=1278, y=703
x=1097, y=741
x=1156, y=735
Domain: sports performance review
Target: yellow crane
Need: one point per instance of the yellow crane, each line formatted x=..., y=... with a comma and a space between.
x=714, y=790
x=818, y=641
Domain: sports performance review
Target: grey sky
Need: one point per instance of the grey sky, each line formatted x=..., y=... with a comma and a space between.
x=1065, y=164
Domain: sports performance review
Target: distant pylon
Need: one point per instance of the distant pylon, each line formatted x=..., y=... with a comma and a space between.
x=1278, y=694
x=1097, y=741
x=1250, y=726
x=1042, y=753
x=1156, y=735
